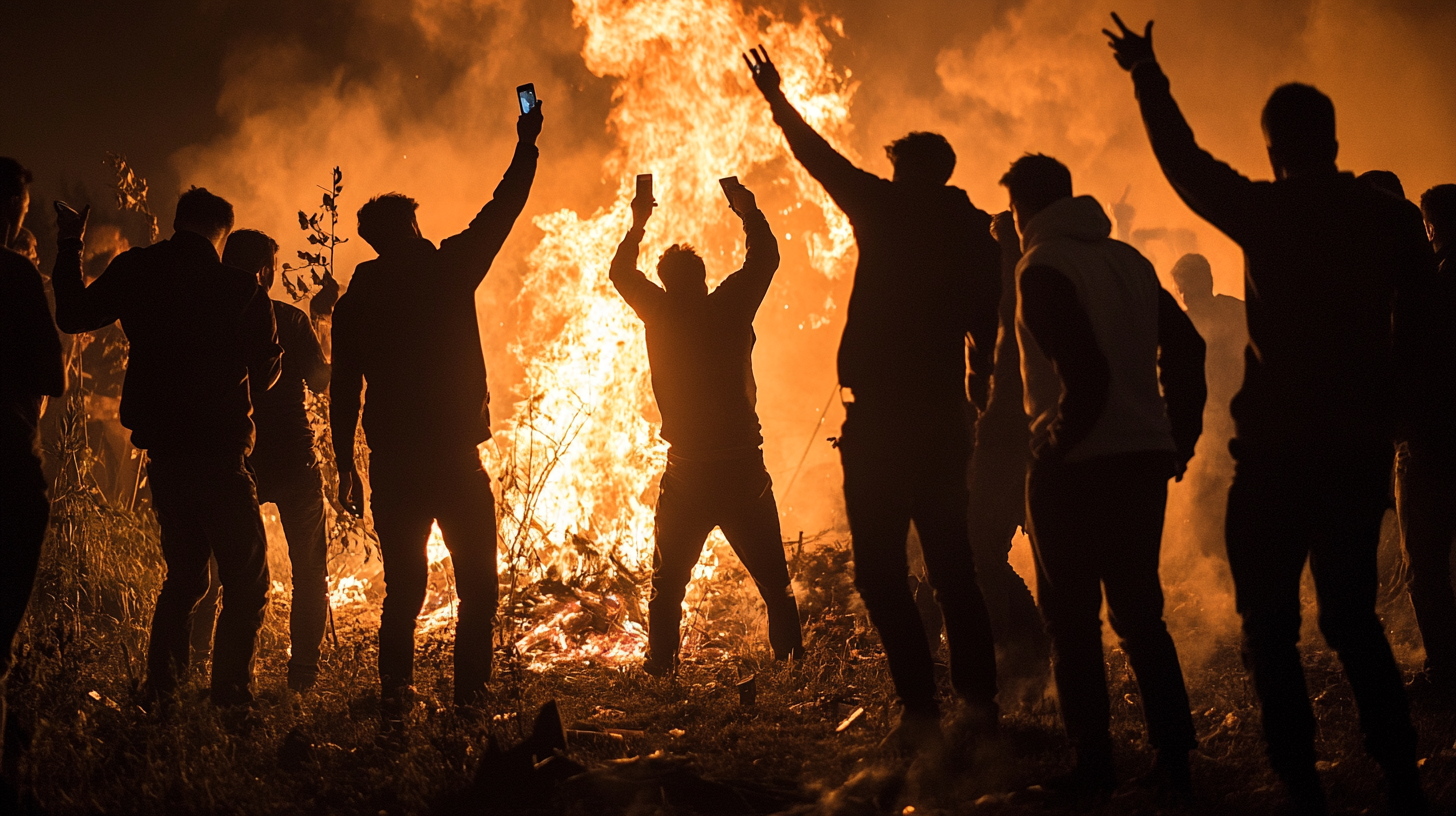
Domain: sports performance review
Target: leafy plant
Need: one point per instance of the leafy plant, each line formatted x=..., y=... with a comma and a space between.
x=319, y=263
x=131, y=193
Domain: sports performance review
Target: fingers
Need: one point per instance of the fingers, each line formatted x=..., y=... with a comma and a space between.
x=1125, y=30
x=1148, y=32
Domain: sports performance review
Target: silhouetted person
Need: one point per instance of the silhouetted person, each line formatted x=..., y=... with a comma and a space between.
x=30, y=371
x=284, y=462
x=201, y=335
x=700, y=346
x=998, y=494
x=407, y=328
x=1326, y=256
x=1099, y=336
x=1426, y=477
x=1385, y=181
x=928, y=277
x=24, y=245
x=1220, y=322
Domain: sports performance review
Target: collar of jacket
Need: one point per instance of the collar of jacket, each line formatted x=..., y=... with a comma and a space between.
x=1079, y=217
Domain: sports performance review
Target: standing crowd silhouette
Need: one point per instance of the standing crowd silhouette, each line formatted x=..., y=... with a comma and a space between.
x=1025, y=369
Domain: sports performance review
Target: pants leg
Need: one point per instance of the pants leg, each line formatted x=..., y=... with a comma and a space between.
x=684, y=520
x=300, y=499
x=234, y=531
x=1063, y=540
x=204, y=617
x=1346, y=576
x=750, y=522
x=1133, y=533
x=402, y=517
x=1426, y=499
x=467, y=521
x=877, y=502
x=185, y=551
x=24, y=514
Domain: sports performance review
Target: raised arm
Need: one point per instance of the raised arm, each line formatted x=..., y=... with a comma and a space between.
x=476, y=247
x=347, y=385
x=1211, y=188
x=82, y=308
x=640, y=293
x=744, y=290
x=1064, y=332
x=1180, y=369
x=850, y=187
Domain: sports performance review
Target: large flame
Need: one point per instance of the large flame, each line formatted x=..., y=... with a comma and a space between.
x=580, y=455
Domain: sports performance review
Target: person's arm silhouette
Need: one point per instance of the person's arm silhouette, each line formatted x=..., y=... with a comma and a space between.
x=640, y=293
x=1211, y=188
x=1062, y=330
x=744, y=290
x=259, y=339
x=1181, y=353
x=345, y=402
x=850, y=187
x=476, y=247
x=82, y=308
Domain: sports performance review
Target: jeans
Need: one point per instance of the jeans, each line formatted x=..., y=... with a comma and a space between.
x=902, y=466
x=737, y=496
x=409, y=491
x=1425, y=496
x=1097, y=526
x=207, y=507
x=1288, y=506
x=24, y=514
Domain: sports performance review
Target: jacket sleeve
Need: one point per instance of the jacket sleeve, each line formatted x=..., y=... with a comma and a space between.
x=1418, y=315
x=1211, y=188
x=1063, y=331
x=472, y=251
x=984, y=320
x=261, y=349
x=640, y=293
x=851, y=188
x=308, y=355
x=1181, y=354
x=34, y=359
x=744, y=290
x=347, y=385
x=82, y=308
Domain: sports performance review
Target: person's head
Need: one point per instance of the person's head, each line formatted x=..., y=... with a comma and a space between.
x=1438, y=206
x=682, y=271
x=1384, y=181
x=388, y=221
x=1299, y=131
x=205, y=214
x=1194, y=278
x=253, y=252
x=25, y=244
x=922, y=158
x=1035, y=182
x=14, y=197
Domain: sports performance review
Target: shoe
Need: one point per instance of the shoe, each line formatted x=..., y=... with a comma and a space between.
x=1403, y=793
x=658, y=668
x=1082, y=787
x=916, y=732
x=1305, y=793
x=395, y=705
x=1170, y=779
x=301, y=681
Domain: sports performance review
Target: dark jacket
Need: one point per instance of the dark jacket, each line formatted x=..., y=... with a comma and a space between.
x=1330, y=268
x=701, y=348
x=31, y=368
x=407, y=326
x=200, y=332
x=1432, y=377
x=929, y=276
x=284, y=435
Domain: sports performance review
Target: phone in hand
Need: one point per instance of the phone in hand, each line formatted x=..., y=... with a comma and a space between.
x=644, y=186
x=728, y=183
x=526, y=95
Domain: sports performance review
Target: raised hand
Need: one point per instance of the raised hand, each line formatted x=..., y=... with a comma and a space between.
x=1003, y=229
x=765, y=75
x=69, y=223
x=528, y=126
x=322, y=303
x=741, y=199
x=1131, y=49
x=642, y=210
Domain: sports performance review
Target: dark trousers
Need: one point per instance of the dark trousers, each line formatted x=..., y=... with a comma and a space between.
x=1097, y=526
x=297, y=490
x=902, y=466
x=737, y=496
x=408, y=493
x=1287, y=506
x=24, y=513
x=208, y=508
x=1425, y=496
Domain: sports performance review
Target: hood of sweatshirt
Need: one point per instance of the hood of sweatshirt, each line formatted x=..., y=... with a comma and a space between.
x=1078, y=217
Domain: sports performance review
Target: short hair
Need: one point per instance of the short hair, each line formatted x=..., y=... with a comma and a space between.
x=1438, y=205
x=926, y=155
x=201, y=211
x=14, y=178
x=252, y=251
x=1384, y=181
x=1192, y=272
x=1299, y=121
x=382, y=213
x=680, y=266
x=1036, y=181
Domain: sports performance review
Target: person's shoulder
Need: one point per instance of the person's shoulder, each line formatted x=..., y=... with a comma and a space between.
x=287, y=311
x=12, y=263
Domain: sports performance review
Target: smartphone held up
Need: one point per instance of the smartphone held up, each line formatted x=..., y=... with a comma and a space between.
x=526, y=95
